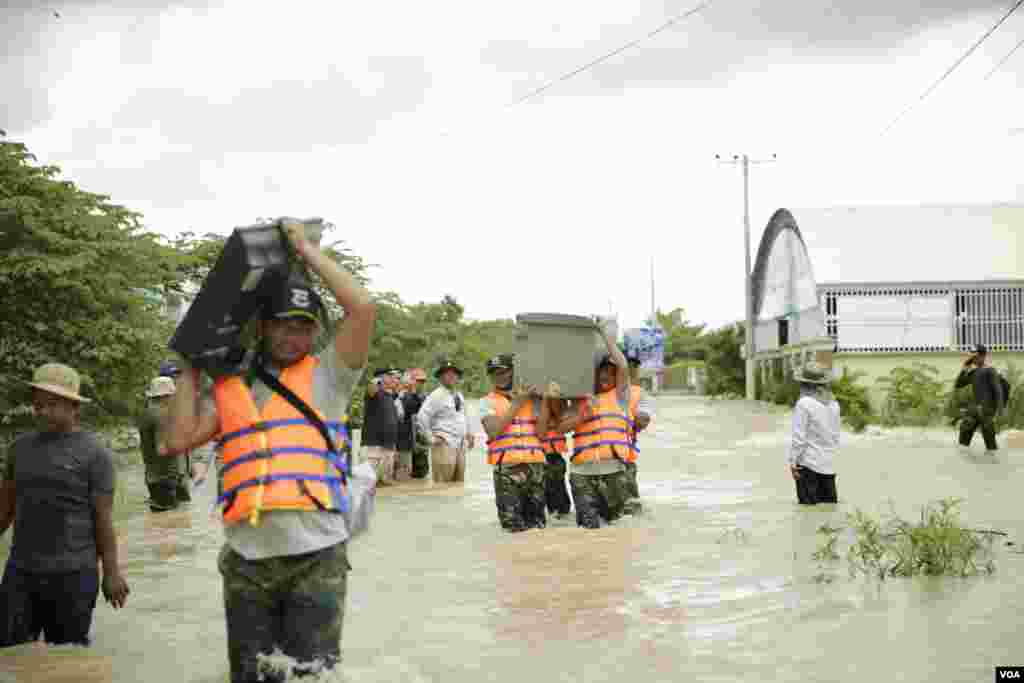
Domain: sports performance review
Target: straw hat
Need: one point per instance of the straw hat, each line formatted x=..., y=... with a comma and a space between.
x=161, y=386
x=813, y=373
x=58, y=379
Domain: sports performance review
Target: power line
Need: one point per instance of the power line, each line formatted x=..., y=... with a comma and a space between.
x=575, y=72
x=1004, y=59
x=957, y=63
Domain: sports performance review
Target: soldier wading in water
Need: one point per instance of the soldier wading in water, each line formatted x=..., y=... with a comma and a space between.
x=285, y=563
x=514, y=449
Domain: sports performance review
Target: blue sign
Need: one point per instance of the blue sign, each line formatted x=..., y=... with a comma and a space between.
x=649, y=344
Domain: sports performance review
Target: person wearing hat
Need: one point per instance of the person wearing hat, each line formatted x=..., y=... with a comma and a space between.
x=285, y=488
x=58, y=490
x=379, y=440
x=988, y=401
x=443, y=418
x=514, y=447
x=410, y=400
x=814, y=442
x=167, y=473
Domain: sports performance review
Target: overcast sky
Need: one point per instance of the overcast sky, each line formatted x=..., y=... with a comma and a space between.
x=389, y=118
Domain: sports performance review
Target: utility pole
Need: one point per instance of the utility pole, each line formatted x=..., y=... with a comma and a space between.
x=748, y=284
x=654, y=315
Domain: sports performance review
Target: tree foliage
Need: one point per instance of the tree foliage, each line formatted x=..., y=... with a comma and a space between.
x=74, y=270
x=683, y=340
x=726, y=371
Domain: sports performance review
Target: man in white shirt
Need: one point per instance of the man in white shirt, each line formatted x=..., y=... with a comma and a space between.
x=815, y=438
x=443, y=415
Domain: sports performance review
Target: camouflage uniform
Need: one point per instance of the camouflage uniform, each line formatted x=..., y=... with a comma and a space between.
x=292, y=602
x=167, y=477
x=632, y=491
x=519, y=495
x=597, y=497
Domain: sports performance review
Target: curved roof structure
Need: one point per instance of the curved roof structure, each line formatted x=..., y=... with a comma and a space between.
x=783, y=280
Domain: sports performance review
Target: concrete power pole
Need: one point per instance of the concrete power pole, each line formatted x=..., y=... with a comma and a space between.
x=748, y=284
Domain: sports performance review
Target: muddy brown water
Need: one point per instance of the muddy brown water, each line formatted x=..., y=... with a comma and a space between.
x=713, y=582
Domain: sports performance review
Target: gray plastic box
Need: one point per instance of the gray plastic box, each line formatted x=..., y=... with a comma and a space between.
x=555, y=347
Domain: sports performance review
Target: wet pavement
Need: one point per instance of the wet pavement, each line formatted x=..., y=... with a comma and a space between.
x=713, y=582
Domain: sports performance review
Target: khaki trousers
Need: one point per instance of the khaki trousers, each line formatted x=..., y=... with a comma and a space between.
x=448, y=464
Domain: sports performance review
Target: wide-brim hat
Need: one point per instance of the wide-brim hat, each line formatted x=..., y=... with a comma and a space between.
x=58, y=379
x=161, y=386
x=445, y=366
x=813, y=373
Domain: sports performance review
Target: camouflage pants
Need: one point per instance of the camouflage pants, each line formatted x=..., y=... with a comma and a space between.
x=294, y=603
x=556, y=492
x=632, y=505
x=598, y=496
x=519, y=495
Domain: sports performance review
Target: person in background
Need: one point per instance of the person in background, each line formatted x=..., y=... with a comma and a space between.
x=411, y=400
x=380, y=424
x=166, y=473
x=556, y=489
x=514, y=448
x=58, y=490
x=443, y=416
x=814, y=443
x=641, y=410
x=987, y=402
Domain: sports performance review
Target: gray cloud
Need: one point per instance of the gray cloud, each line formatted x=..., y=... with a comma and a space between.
x=281, y=117
x=726, y=35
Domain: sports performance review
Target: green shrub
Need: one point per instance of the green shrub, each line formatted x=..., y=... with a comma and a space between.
x=914, y=396
x=854, y=402
x=938, y=545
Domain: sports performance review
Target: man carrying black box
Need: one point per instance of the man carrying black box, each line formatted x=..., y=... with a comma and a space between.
x=285, y=562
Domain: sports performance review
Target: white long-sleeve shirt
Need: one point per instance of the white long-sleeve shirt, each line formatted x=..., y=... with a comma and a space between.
x=815, y=438
x=437, y=415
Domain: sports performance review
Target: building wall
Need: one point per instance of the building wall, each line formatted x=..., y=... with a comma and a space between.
x=876, y=365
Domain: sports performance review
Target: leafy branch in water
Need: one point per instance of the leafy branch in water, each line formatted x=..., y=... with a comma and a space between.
x=937, y=545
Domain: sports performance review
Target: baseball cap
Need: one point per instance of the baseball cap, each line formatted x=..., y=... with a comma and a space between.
x=295, y=299
x=980, y=348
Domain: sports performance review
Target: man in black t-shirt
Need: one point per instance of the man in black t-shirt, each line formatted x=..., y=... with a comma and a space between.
x=379, y=437
x=58, y=489
x=988, y=399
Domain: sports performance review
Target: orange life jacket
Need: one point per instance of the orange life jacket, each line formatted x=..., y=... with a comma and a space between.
x=519, y=443
x=275, y=459
x=634, y=404
x=555, y=442
x=604, y=434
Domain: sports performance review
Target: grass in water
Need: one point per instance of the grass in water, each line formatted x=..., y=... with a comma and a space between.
x=937, y=545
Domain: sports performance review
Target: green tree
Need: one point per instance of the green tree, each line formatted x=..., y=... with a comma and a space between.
x=77, y=273
x=726, y=372
x=683, y=339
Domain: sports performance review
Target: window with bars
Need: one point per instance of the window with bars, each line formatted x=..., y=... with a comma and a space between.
x=924, y=319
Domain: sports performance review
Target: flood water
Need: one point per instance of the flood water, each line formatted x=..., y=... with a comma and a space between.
x=713, y=582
